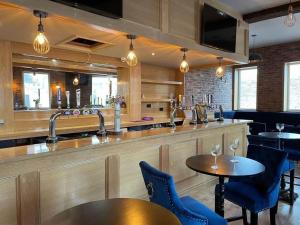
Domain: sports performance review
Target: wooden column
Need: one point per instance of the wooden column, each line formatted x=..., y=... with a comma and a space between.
x=135, y=90
x=6, y=81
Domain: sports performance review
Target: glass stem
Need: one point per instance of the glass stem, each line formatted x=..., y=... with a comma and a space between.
x=215, y=160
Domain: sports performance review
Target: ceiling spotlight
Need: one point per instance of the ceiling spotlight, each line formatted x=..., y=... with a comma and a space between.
x=153, y=53
x=290, y=18
x=131, y=58
x=41, y=44
x=220, y=71
x=184, y=66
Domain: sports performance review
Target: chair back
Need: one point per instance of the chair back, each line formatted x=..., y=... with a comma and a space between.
x=263, y=141
x=160, y=186
x=273, y=162
x=257, y=127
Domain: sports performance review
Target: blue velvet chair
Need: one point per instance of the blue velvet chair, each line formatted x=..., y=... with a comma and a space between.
x=259, y=192
x=289, y=165
x=162, y=191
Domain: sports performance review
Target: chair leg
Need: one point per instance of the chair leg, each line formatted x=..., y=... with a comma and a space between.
x=292, y=180
x=245, y=221
x=282, y=182
x=254, y=218
x=273, y=212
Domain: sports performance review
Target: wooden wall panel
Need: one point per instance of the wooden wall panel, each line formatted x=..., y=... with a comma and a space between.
x=28, y=191
x=209, y=141
x=132, y=183
x=178, y=154
x=8, y=199
x=143, y=11
x=183, y=18
x=240, y=134
x=6, y=80
x=71, y=185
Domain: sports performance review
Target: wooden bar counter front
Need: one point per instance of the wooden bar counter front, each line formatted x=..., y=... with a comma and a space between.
x=39, y=181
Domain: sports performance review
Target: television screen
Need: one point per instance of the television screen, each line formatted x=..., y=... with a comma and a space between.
x=218, y=29
x=108, y=8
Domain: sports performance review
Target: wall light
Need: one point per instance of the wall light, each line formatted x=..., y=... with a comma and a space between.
x=41, y=44
x=290, y=19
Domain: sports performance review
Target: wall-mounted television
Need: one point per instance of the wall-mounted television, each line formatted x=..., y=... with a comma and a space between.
x=108, y=8
x=218, y=29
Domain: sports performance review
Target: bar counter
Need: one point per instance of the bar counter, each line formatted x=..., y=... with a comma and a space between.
x=39, y=181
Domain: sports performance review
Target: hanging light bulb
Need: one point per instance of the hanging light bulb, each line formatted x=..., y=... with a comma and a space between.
x=76, y=80
x=41, y=44
x=220, y=71
x=254, y=57
x=290, y=18
x=131, y=58
x=184, y=66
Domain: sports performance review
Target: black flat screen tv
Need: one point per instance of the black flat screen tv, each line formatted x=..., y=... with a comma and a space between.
x=108, y=8
x=218, y=29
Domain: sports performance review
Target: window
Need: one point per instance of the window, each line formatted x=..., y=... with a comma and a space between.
x=102, y=88
x=246, y=88
x=36, y=89
x=292, y=86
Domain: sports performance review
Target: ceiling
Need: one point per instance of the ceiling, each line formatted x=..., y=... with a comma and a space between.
x=19, y=25
x=249, y=6
x=269, y=32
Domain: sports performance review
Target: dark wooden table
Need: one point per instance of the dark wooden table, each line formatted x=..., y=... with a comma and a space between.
x=282, y=135
x=245, y=167
x=120, y=211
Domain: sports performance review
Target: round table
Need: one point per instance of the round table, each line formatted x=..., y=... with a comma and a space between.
x=245, y=167
x=119, y=211
x=282, y=135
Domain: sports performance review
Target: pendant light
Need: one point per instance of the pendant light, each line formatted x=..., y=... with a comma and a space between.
x=253, y=56
x=184, y=66
x=41, y=44
x=131, y=58
x=220, y=71
x=290, y=18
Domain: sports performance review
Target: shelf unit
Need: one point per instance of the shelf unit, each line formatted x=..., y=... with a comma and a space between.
x=150, y=100
x=166, y=82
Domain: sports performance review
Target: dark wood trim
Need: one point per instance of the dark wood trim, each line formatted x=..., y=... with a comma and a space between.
x=270, y=13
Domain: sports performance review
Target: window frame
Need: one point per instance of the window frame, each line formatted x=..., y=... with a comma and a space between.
x=49, y=85
x=237, y=87
x=286, y=86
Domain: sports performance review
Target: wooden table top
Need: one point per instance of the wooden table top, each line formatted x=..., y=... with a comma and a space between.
x=278, y=135
x=245, y=166
x=119, y=211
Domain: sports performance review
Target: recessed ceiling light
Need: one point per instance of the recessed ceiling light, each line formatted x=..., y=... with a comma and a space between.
x=153, y=53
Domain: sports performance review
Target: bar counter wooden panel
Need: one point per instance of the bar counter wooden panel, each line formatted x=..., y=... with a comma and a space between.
x=53, y=178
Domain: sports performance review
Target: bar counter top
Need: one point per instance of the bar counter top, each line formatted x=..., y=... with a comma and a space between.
x=39, y=150
x=39, y=132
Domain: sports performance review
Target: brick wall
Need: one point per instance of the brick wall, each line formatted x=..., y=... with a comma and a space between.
x=270, y=90
x=204, y=81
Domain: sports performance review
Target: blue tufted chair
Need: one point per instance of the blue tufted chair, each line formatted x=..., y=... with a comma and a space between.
x=162, y=191
x=259, y=192
x=288, y=166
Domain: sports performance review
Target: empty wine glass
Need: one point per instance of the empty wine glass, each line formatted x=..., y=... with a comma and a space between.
x=215, y=151
x=279, y=127
x=233, y=147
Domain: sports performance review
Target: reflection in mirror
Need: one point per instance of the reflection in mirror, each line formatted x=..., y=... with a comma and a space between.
x=36, y=88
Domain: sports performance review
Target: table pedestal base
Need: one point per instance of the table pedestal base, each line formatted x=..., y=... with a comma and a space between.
x=219, y=197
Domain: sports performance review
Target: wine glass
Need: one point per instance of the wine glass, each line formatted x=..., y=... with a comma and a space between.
x=215, y=151
x=279, y=127
x=233, y=147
